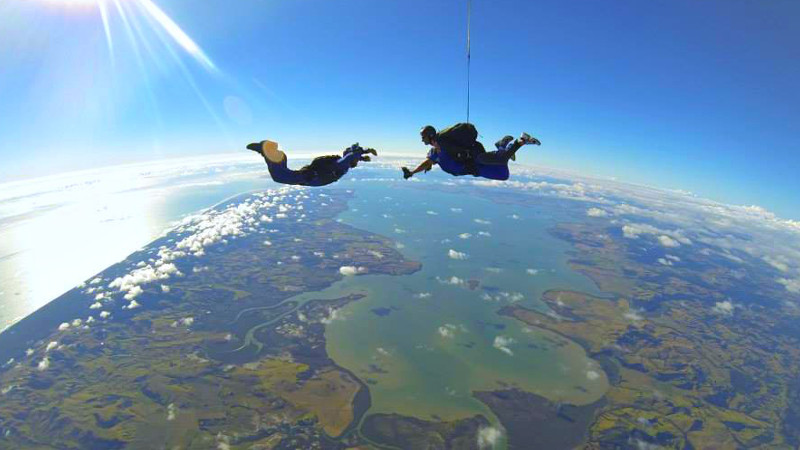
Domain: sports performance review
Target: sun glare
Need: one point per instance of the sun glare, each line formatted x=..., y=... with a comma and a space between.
x=150, y=11
x=74, y=2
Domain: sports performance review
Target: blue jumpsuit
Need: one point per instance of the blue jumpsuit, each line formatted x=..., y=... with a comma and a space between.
x=492, y=172
x=281, y=173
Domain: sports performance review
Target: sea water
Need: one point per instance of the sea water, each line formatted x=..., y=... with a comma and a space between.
x=425, y=342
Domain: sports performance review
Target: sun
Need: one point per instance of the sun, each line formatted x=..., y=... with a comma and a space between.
x=76, y=3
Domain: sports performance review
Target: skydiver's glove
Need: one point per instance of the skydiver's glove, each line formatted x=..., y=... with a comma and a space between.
x=365, y=158
x=371, y=151
x=406, y=173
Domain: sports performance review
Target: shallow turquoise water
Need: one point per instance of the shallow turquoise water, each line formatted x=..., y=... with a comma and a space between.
x=440, y=340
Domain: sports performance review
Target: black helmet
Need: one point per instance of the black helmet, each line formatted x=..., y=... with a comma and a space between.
x=428, y=133
x=352, y=148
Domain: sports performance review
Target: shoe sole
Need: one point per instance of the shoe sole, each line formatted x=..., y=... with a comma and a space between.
x=528, y=139
x=270, y=151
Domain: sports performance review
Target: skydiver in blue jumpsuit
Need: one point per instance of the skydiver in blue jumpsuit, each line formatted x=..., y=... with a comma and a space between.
x=322, y=170
x=491, y=165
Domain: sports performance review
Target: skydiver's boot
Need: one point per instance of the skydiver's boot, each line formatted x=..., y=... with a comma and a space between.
x=503, y=143
x=528, y=139
x=269, y=150
x=524, y=139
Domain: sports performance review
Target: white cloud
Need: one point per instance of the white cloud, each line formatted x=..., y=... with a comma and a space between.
x=503, y=296
x=132, y=305
x=792, y=286
x=493, y=269
x=130, y=283
x=482, y=222
x=596, y=212
x=502, y=343
x=447, y=330
x=592, y=375
x=165, y=289
x=484, y=234
x=29, y=352
x=44, y=364
x=724, y=308
x=454, y=281
x=186, y=322
x=236, y=220
x=50, y=346
x=456, y=210
x=96, y=305
x=625, y=209
x=532, y=271
x=667, y=241
x=105, y=314
x=383, y=351
x=333, y=314
x=632, y=231
x=642, y=445
x=664, y=261
x=632, y=315
x=778, y=262
x=63, y=326
x=352, y=270
x=134, y=292
x=666, y=238
x=172, y=411
x=465, y=235
x=423, y=295
x=223, y=442
x=456, y=255
x=489, y=437
x=432, y=213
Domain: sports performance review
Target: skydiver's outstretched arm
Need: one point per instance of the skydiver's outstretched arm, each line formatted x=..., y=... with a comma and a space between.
x=424, y=167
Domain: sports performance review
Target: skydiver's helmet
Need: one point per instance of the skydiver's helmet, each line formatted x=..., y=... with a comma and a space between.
x=353, y=148
x=428, y=133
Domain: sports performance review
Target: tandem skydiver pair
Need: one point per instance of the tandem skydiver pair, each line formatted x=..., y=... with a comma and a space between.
x=455, y=149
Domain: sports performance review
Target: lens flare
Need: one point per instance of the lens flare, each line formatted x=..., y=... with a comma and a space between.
x=176, y=33
x=101, y=5
x=146, y=48
x=154, y=14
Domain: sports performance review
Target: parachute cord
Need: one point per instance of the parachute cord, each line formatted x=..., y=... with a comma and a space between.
x=469, y=57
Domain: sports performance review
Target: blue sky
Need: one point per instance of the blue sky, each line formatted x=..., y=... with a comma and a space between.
x=701, y=96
